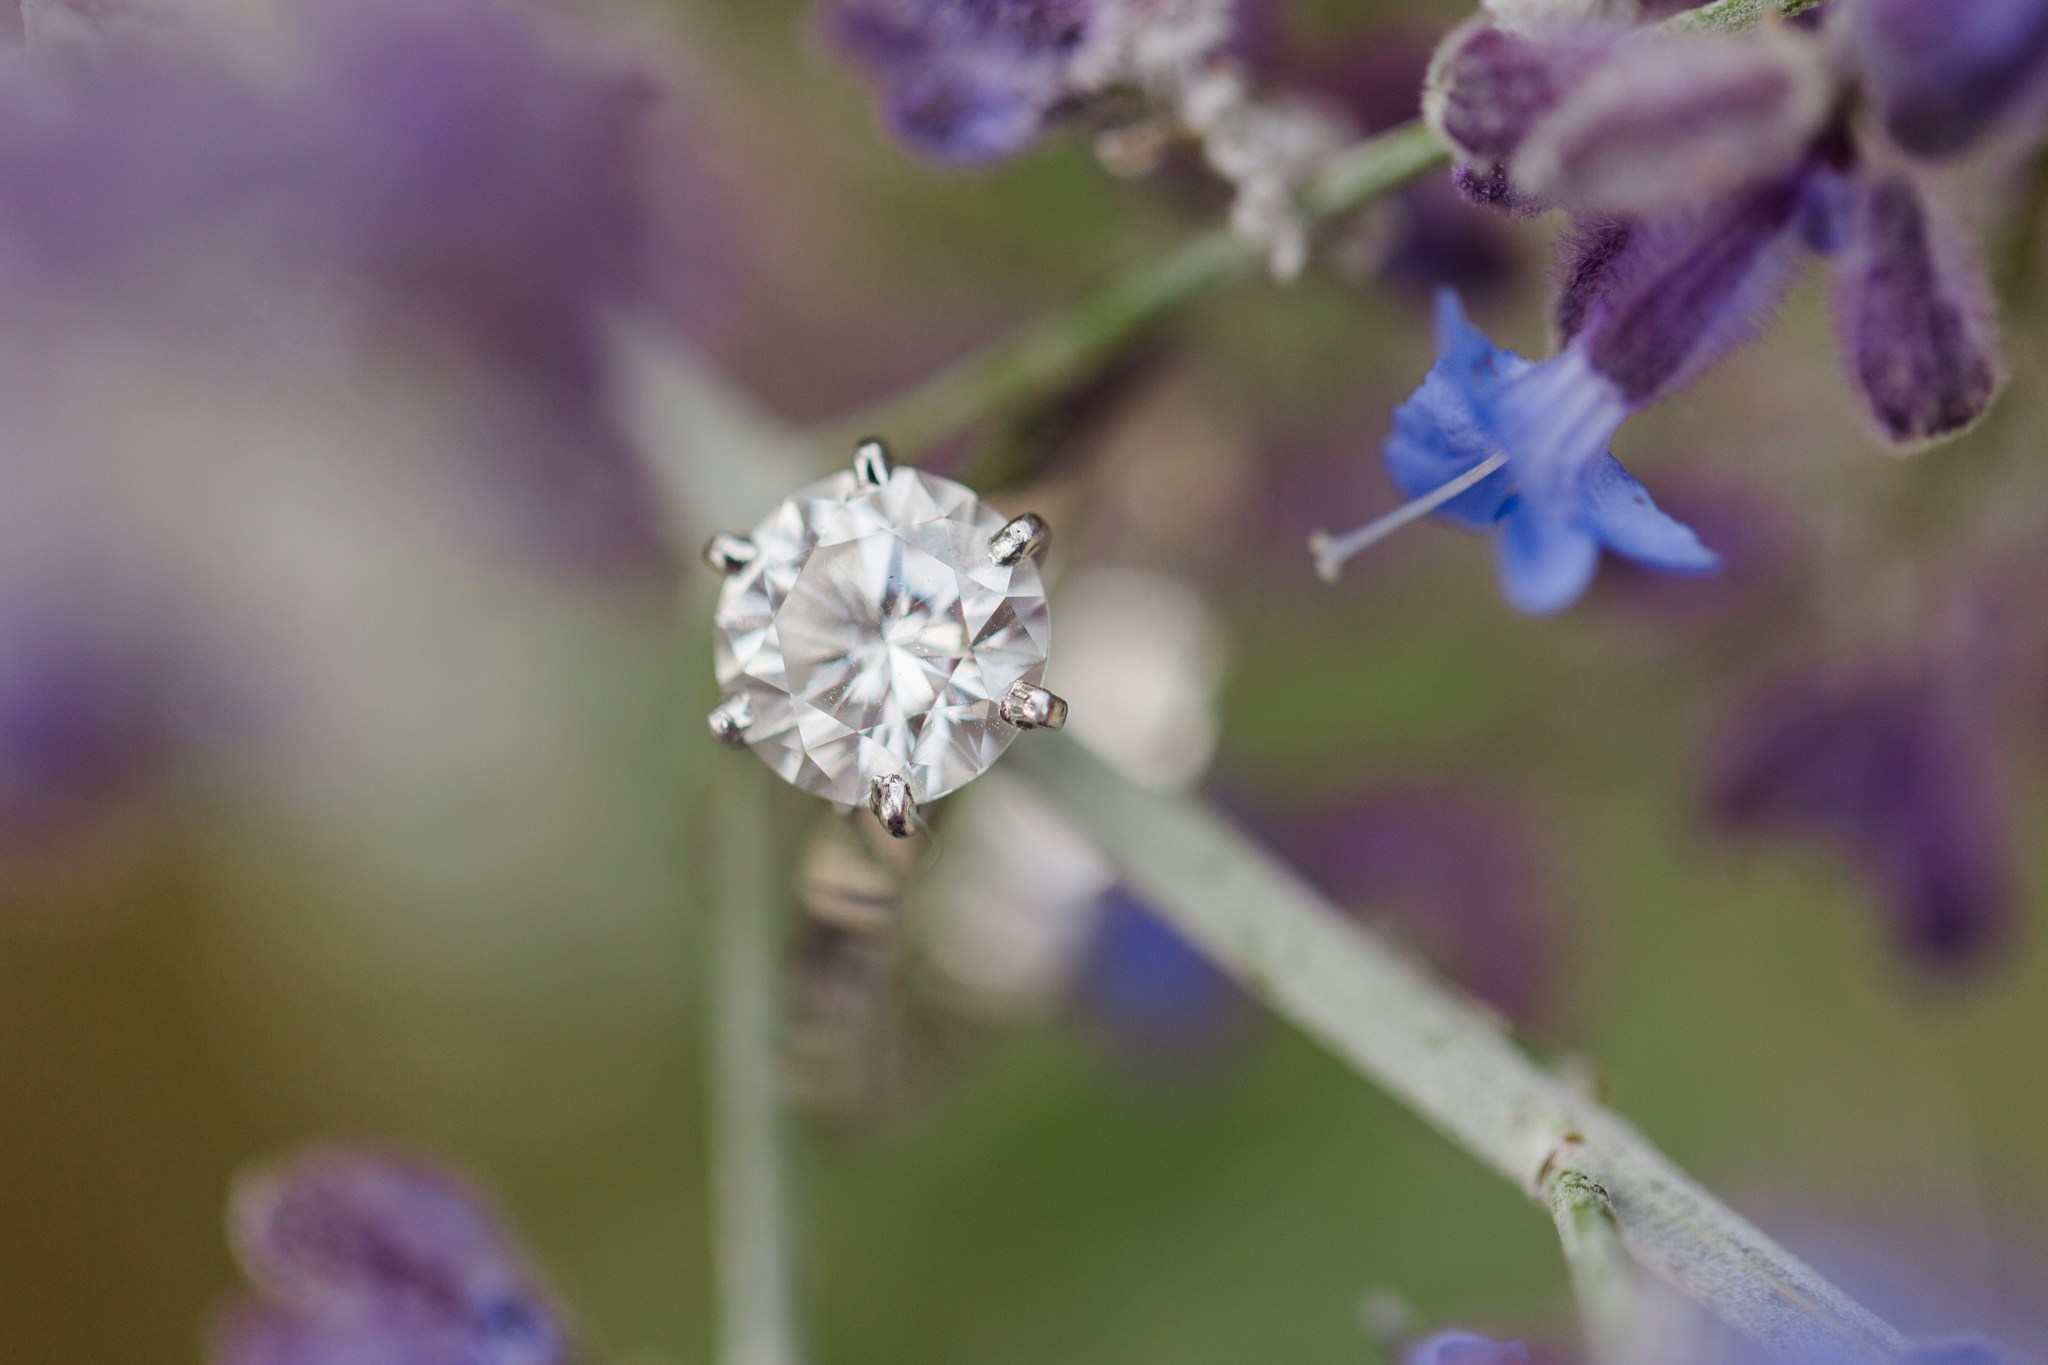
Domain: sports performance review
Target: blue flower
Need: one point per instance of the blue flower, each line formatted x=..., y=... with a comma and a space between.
x=1465, y=1348
x=1149, y=988
x=1558, y=498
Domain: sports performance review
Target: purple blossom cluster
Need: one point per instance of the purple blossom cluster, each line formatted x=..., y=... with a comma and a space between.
x=1699, y=170
x=369, y=1258
x=1897, y=767
x=221, y=249
x=966, y=81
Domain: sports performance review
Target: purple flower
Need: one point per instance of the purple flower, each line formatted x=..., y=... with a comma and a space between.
x=365, y=1258
x=1896, y=767
x=279, y=309
x=1941, y=75
x=1455, y=874
x=88, y=706
x=1489, y=88
x=1556, y=498
x=1151, y=990
x=1465, y=1348
x=1698, y=165
x=462, y=178
x=1912, y=316
x=964, y=82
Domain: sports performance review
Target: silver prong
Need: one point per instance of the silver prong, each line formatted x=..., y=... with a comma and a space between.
x=1029, y=707
x=729, y=553
x=871, y=463
x=730, y=719
x=1021, y=536
x=890, y=799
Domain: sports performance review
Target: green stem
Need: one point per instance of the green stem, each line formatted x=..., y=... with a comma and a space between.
x=1435, y=1051
x=1603, y=1277
x=1050, y=352
x=755, y=1321
x=1732, y=16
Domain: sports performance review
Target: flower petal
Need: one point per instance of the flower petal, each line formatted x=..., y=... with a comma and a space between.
x=1942, y=75
x=1545, y=563
x=1913, y=318
x=1695, y=288
x=379, y=1239
x=1437, y=435
x=1671, y=122
x=1590, y=259
x=1621, y=515
x=1488, y=87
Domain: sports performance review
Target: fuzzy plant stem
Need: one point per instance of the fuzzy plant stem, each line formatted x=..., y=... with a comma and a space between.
x=1731, y=16
x=756, y=1325
x=1604, y=1278
x=1436, y=1052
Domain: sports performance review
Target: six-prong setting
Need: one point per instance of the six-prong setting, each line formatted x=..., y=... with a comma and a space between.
x=729, y=553
x=890, y=799
x=871, y=463
x=729, y=721
x=1031, y=707
x=882, y=637
x=1021, y=538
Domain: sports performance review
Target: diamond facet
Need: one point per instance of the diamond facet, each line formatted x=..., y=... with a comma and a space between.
x=873, y=634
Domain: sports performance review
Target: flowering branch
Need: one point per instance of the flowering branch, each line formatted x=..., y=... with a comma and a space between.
x=1047, y=353
x=1055, y=349
x=1437, y=1052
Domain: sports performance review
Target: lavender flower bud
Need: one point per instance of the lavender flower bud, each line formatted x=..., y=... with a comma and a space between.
x=1941, y=75
x=1589, y=260
x=1487, y=88
x=366, y=1256
x=1691, y=291
x=1487, y=186
x=964, y=82
x=1913, y=317
x=1671, y=122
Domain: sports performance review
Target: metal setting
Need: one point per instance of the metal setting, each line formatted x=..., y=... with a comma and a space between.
x=871, y=463
x=890, y=799
x=729, y=553
x=1030, y=707
x=1022, y=537
x=729, y=721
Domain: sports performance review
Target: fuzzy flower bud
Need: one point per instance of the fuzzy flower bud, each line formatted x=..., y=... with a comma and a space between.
x=1488, y=87
x=1683, y=293
x=1912, y=316
x=1670, y=122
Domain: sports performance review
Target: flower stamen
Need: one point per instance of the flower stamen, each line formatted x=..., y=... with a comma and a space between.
x=1332, y=551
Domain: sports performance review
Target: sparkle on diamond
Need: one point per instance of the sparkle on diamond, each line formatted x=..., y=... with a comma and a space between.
x=872, y=634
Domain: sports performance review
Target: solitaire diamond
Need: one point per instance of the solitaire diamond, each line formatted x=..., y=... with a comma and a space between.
x=869, y=630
